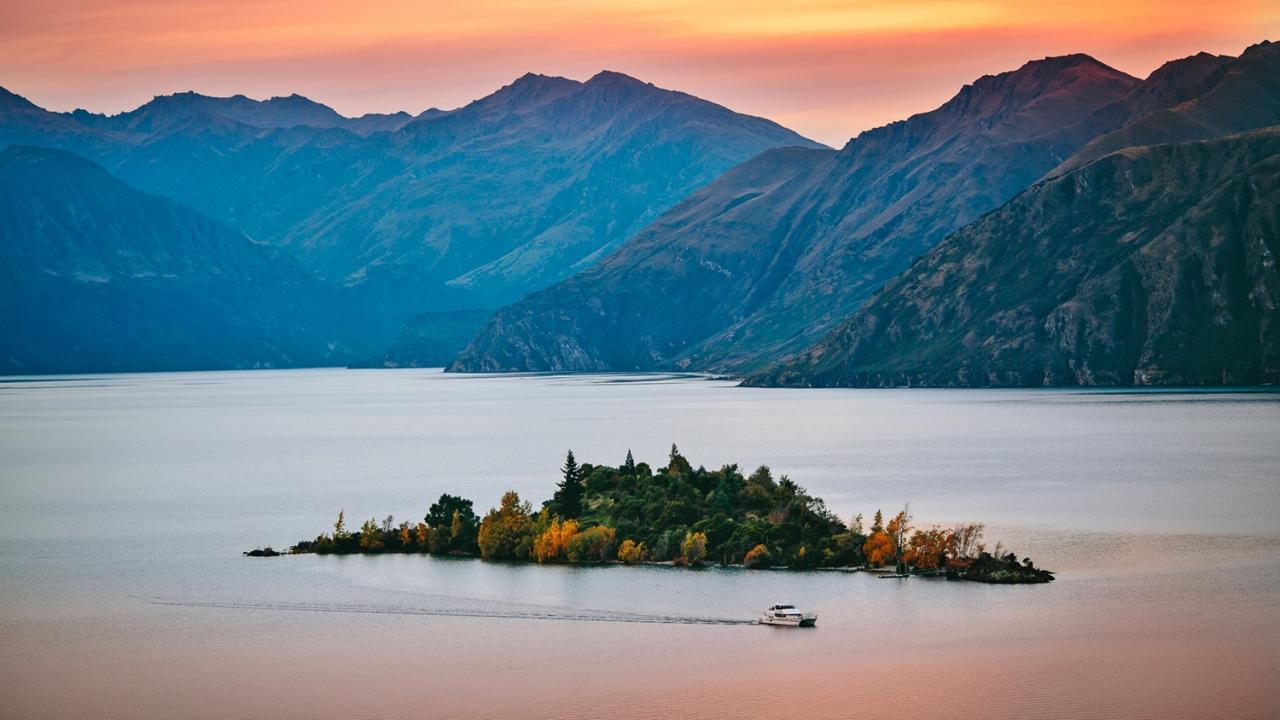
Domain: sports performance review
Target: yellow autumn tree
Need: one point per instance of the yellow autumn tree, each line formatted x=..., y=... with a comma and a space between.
x=422, y=536
x=694, y=547
x=370, y=535
x=631, y=553
x=505, y=531
x=595, y=544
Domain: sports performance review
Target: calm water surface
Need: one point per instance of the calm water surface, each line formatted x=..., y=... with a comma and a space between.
x=126, y=500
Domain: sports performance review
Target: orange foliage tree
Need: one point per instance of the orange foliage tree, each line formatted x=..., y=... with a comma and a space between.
x=758, y=556
x=878, y=548
x=553, y=543
x=927, y=549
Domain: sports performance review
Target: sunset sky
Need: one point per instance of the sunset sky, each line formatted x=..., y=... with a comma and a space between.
x=827, y=69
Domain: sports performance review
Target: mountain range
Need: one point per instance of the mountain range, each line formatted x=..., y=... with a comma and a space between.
x=419, y=216
x=1059, y=223
x=778, y=252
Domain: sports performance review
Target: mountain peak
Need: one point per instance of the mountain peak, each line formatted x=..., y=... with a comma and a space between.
x=612, y=77
x=525, y=93
x=538, y=82
x=13, y=101
x=1056, y=79
x=1057, y=67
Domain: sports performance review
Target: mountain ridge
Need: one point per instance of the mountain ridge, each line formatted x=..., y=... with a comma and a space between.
x=1153, y=265
x=774, y=268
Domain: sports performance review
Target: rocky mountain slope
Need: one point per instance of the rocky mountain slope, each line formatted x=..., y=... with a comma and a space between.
x=1150, y=266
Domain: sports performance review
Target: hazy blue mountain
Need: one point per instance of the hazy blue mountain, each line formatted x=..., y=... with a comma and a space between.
x=430, y=339
x=532, y=183
x=1150, y=266
x=451, y=210
x=768, y=257
x=98, y=276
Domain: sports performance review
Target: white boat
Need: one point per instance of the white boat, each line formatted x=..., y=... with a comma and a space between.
x=787, y=616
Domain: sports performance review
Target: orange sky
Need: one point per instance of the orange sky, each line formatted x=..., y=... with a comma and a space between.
x=827, y=69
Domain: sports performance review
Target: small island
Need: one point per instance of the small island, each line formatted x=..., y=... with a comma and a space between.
x=684, y=516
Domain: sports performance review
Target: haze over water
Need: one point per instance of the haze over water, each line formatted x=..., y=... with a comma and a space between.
x=126, y=501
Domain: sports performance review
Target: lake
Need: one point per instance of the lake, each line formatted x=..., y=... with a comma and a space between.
x=126, y=500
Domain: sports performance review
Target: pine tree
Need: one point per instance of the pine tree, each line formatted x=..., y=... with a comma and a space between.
x=629, y=465
x=567, y=500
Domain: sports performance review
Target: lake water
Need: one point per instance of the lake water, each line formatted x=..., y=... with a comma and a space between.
x=125, y=502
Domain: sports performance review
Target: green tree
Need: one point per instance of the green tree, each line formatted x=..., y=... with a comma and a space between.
x=567, y=501
x=677, y=464
x=340, y=527
x=453, y=525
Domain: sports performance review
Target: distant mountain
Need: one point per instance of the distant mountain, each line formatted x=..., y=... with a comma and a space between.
x=451, y=210
x=431, y=339
x=1150, y=266
x=768, y=257
x=530, y=184
x=97, y=276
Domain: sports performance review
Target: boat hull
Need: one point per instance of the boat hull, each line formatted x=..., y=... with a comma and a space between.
x=789, y=622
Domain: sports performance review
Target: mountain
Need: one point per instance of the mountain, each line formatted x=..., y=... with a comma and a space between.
x=768, y=257
x=526, y=186
x=450, y=211
x=1198, y=98
x=1153, y=265
x=430, y=339
x=98, y=276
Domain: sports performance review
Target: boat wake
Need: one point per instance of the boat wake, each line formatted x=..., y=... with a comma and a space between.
x=565, y=615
